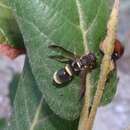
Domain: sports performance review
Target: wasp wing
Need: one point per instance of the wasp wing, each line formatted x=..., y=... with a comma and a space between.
x=63, y=52
x=60, y=58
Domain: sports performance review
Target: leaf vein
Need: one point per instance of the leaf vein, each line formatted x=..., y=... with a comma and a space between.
x=83, y=25
x=35, y=120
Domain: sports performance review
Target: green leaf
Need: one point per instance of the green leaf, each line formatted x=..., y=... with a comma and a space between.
x=9, y=30
x=2, y=124
x=30, y=110
x=13, y=87
x=46, y=22
x=110, y=88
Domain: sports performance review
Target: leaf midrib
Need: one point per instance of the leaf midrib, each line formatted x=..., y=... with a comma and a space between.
x=83, y=25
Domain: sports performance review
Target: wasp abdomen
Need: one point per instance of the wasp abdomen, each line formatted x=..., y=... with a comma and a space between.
x=62, y=76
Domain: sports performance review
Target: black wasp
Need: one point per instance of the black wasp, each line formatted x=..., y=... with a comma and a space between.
x=75, y=65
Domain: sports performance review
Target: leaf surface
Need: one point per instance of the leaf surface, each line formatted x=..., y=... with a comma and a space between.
x=9, y=30
x=30, y=110
x=13, y=87
x=47, y=22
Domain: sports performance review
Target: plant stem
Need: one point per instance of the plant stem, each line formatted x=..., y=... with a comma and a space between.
x=105, y=66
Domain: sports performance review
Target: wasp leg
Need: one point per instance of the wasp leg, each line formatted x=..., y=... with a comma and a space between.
x=82, y=83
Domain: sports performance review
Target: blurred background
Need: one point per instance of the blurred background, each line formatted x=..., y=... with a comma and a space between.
x=115, y=116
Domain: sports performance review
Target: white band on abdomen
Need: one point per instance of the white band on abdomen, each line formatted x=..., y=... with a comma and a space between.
x=68, y=69
x=56, y=78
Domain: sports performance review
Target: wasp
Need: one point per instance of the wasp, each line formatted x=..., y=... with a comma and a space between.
x=75, y=66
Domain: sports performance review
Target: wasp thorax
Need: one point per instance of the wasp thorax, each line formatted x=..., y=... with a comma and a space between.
x=88, y=61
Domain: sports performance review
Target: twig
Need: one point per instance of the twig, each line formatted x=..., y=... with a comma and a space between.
x=105, y=66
